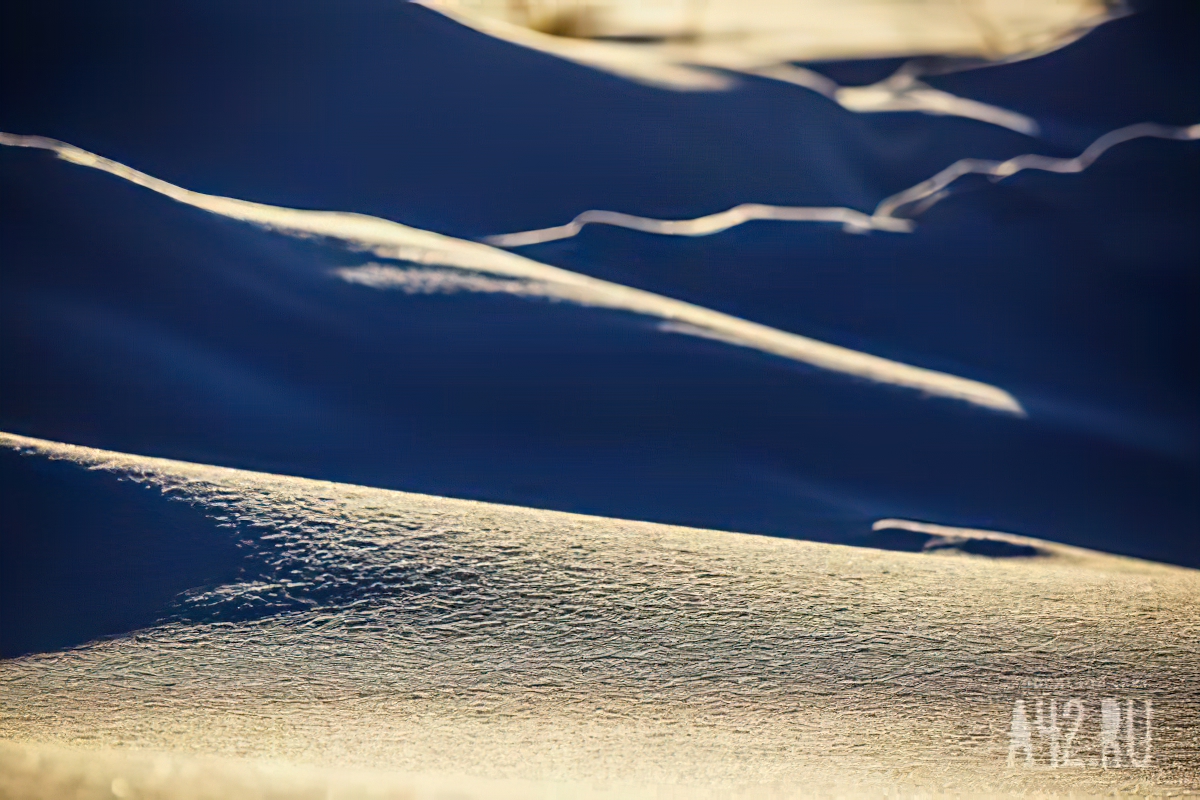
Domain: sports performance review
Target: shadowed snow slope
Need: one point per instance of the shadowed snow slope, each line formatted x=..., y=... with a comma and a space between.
x=760, y=38
x=426, y=249
x=226, y=623
x=381, y=630
x=137, y=324
x=387, y=108
x=83, y=556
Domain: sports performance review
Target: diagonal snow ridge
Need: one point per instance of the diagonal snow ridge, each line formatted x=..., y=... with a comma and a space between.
x=949, y=535
x=902, y=91
x=933, y=187
x=706, y=225
x=886, y=216
x=393, y=241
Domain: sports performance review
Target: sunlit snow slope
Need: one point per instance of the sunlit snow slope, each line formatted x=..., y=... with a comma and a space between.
x=507, y=650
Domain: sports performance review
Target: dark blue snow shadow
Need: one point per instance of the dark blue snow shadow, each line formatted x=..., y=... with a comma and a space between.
x=135, y=324
x=388, y=108
x=85, y=555
x=131, y=323
x=1079, y=294
x=1144, y=67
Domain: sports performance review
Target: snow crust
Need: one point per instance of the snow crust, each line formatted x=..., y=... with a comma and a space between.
x=494, y=649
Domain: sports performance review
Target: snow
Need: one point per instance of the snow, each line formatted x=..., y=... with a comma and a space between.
x=541, y=652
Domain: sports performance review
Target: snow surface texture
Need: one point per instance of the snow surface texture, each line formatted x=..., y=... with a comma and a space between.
x=419, y=639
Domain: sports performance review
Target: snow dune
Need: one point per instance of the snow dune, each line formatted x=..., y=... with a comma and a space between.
x=396, y=642
x=392, y=240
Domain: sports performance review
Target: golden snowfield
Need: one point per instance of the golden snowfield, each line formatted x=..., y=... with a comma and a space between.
x=403, y=645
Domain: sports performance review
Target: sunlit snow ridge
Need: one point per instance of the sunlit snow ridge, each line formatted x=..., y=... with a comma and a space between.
x=885, y=217
x=392, y=240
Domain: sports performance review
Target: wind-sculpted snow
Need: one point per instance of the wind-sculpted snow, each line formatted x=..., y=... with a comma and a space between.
x=293, y=606
x=678, y=65
x=928, y=192
x=392, y=240
x=902, y=91
x=381, y=630
x=671, y=45
x=420, y=280
x=703, y=226
x=886, y=216
x=673, y=66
